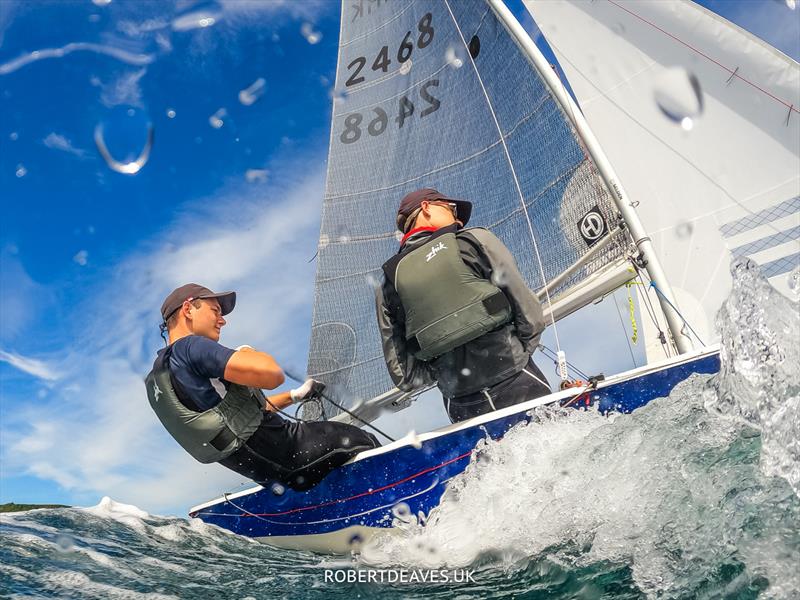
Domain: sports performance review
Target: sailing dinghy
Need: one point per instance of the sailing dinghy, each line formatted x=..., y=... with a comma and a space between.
x=456, y=96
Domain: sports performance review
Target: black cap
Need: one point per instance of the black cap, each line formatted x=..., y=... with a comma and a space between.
x=193, y=291
x=411, y=202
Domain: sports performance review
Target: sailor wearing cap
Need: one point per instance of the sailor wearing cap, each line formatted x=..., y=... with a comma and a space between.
x=454, y=310
x=208, y=397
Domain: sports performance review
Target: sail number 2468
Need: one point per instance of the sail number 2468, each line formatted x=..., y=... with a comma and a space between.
x=382, y=61
x=405, y=109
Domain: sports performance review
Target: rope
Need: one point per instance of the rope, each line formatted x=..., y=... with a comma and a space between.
x=632, y=311
x=513, y=174
x=340, y=407
x=653, y=316
x=685, y=322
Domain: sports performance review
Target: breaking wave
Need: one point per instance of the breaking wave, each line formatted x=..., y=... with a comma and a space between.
x=696, y=494
x=692, y=496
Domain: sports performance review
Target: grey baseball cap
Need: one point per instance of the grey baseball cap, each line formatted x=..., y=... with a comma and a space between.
x=193, y=291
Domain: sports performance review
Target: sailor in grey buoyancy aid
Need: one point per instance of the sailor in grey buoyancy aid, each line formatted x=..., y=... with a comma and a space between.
x=454, y=309
x=229, y=420
x=210, y=435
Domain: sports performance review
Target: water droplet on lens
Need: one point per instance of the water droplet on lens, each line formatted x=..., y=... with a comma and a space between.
x=125, y=135
x=82, y=258
x=21, y=171
x=195, y=20
x=131, y=112
x=405, y=68
x=170, y=113
x=256, y=175
x=453, y=59
x=215, y=120
x=401, y=510
x=679, y=96
x=252, y=93
x=13, y=136
x=618, y=28
x=499, y=277
x=355, y=543
x=414, y=440
x=64, y=543
x=683, y=230
x=794, y=281
x=312, y=37
x=466, y=372
x=277, y=489
x=338, y=96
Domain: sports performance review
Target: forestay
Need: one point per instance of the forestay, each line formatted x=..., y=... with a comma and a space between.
x=437, y=94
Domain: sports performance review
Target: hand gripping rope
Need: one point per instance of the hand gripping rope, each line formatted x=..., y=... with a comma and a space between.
x=321, y=394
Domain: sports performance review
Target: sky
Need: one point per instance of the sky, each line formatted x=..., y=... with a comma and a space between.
x=238, y=96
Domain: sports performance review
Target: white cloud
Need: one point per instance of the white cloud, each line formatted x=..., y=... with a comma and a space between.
x=28, y=300
x=31, y=366
x=125, y=90
x=249, y=9
x=108, y=440
x=60, y=142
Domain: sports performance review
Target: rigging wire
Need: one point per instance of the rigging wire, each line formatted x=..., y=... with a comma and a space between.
x=554, y=357
x=652, y=314
x=513, y=173
x=624, y=331
x=677, y=312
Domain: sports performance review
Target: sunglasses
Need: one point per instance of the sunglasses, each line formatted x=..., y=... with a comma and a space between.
x=451, y=205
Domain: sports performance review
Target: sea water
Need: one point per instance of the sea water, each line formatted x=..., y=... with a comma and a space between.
x=693, y=496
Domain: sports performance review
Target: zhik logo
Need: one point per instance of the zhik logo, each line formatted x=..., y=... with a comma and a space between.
x=434, y=251
x=156, y=391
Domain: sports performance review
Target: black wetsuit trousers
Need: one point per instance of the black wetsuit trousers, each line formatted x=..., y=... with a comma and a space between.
x=526, y=385
x=298, y=455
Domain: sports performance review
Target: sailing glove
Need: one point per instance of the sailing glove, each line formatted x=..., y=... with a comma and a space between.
x=310, y=389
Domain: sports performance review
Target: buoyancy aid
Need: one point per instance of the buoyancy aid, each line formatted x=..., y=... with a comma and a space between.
x=446, y=304
x=210, y=435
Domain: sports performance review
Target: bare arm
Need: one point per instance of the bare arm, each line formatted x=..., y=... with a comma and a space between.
x=278, y=401
x=253, y=368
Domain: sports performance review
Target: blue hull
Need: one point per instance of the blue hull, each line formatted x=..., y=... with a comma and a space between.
x=362, y=493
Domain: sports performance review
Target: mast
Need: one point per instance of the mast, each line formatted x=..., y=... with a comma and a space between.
x=653, y=267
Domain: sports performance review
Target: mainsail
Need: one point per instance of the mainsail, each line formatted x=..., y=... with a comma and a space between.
x=438, y=94
x=701, y=121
